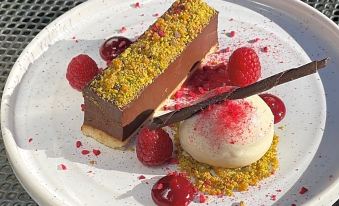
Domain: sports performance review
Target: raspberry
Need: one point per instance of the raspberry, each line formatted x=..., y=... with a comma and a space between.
x=81, y=70
x=154, y=147
x=244, y=67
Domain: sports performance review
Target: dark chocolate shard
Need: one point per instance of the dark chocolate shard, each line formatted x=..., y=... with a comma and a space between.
x=239, y=93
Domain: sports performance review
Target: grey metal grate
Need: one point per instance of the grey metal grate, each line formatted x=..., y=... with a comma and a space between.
x=330, y=8
x=20, y=21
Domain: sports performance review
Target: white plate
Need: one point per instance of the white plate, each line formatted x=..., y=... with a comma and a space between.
x=38, y=103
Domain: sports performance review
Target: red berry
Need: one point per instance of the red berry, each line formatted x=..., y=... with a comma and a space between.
x=276, y=105
x=173, y=189
x=80, y=71
x=113, y=46
x=154, y=147
x=244, y=67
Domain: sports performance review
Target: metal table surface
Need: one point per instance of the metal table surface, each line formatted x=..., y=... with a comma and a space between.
x=20, y=21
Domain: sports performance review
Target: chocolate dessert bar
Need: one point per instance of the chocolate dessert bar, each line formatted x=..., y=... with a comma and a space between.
x=123, y=96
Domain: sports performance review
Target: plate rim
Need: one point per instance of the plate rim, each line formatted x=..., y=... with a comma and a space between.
x=33, y=188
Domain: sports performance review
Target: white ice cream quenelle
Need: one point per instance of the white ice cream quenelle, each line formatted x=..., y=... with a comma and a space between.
x=233, y=134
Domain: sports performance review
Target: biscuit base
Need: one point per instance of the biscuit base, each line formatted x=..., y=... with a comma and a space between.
x=103, y=137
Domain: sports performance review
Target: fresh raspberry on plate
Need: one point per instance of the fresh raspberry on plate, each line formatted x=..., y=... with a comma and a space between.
x=244, y=67
x=81, y=70
x=154, y=147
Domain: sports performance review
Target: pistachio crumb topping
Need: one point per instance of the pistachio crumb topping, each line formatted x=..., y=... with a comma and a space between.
x=223, y=181
x=153, y=52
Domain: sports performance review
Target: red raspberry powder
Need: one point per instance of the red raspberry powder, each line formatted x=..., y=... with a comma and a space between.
x=224, y=120
x=173, y=160
x=62, y=167
x=137, y=5
x=122, y=29
x=212, y=75
x=273, y=197
x=78, y=144
x=231, y=115
x=202, y=198
x=232, y=34
x=177, y=106
x=303, y=190
x=82, y=107
x=161, y=33
x=96, y=152
x=265, y=49
x=255, y=40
